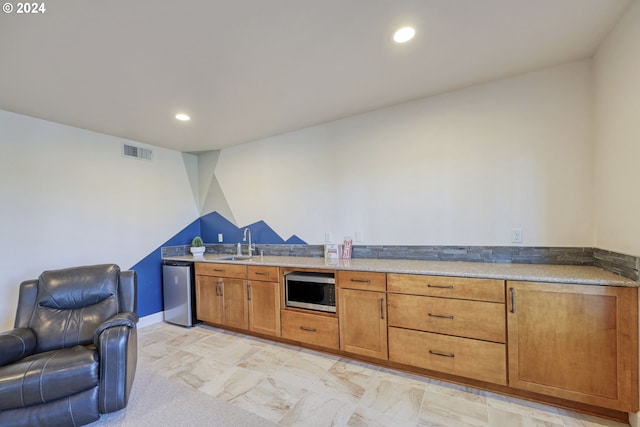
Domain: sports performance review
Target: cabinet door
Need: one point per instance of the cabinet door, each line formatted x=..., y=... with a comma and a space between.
x=264, y=307
x=575, y=342
x=363, y=323
x=208, y=300
x=234, y=297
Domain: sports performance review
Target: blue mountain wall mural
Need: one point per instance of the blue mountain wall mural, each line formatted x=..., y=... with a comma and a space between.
x=214, y=223
x=149, y=269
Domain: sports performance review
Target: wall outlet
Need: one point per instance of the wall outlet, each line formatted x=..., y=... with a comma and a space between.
x=220, y=238
x=359, y=237
x=516, y=235
x=328, y=237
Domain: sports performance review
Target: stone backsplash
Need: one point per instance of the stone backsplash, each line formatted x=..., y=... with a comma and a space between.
x=624, y=265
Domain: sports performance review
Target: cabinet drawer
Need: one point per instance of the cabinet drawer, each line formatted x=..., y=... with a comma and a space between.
x=363, y=280
x=263, y=273
x=449, y=287
x=463, y=318
x=310, y=328
x=481, y=360
x=221, y=270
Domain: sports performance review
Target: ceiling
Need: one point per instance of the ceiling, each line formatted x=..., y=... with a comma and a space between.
x=249, y=69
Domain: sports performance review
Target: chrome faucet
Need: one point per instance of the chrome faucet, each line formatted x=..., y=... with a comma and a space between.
x=244, y=239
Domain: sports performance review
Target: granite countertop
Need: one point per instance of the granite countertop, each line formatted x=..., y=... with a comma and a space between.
x=582, y=275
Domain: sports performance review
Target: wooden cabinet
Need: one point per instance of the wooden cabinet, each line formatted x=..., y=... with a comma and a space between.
x=236, y=271
x=454, y=325
x=221, y=294
x=208, y=299
x=263, y=294
x=363, y=280
x=476, y=359
x=575, y=342
x=234, y=301
x=362, y=313
x=469, y=319
x=311, y=328
x=225, y=297
x=565, y=344
x=491, y=290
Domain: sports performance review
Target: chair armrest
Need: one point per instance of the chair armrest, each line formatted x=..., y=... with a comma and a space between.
x=16, y=344
x=116, y=341
x=127, y=319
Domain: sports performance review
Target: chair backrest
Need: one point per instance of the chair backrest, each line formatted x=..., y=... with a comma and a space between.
x=71, y=303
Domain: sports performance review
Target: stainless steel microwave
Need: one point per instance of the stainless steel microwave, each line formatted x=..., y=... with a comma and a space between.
x=311, y=291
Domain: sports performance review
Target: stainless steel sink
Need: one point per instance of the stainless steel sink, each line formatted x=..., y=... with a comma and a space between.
x=235, y=258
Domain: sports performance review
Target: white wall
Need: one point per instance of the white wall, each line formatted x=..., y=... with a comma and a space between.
x=68, y=197
x=617, y=137
x=462, y=168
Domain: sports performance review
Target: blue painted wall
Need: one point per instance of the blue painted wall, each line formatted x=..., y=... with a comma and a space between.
x=149, y=269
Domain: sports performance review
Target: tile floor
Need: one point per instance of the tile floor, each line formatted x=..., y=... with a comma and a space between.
x=286, y=384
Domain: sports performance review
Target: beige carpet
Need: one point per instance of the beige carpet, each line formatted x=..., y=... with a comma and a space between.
x=156, y=401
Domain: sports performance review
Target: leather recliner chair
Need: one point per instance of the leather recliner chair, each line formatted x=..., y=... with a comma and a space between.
x=72, y=353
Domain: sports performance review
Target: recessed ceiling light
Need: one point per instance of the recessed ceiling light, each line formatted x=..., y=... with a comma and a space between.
x=404, y=34
x=183, y=117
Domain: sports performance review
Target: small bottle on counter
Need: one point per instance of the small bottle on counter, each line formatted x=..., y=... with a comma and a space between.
x=239, y=249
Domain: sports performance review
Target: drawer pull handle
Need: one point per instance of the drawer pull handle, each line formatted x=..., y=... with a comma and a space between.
x=440, y=316
x=361, y=281
x=437, y=353
x=221, y=270
x=440, y=287
x=308, y=329
x=260, y=273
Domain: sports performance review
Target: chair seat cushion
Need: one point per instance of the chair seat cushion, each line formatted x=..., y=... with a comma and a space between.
x=48, y=376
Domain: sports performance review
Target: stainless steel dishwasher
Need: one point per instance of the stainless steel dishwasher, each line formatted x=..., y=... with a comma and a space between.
x=178, y=293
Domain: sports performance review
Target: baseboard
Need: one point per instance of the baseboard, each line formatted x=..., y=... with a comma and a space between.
x=151, y=319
